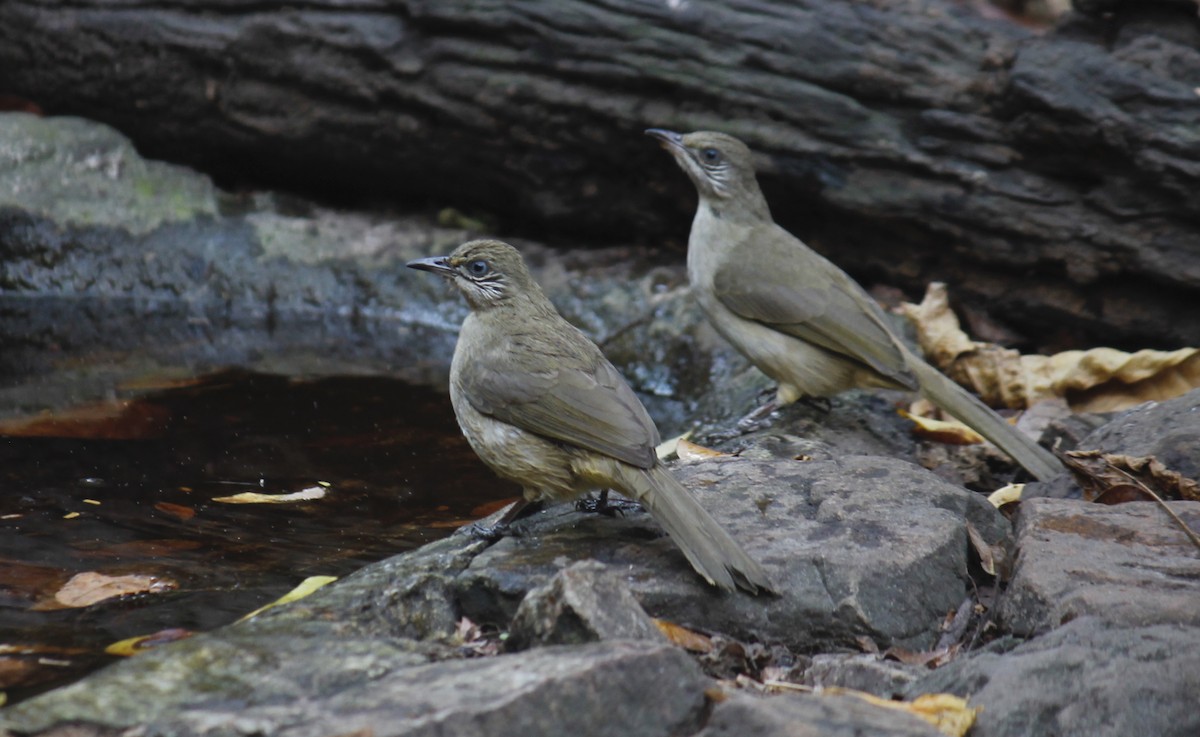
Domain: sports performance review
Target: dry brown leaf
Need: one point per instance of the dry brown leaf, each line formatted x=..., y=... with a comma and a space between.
x=1097, y=380
x=683, y=637
x=1098, y=473
x=951, y=432
x=991, y=557
x=1110, y=476
x=91, y=587
x=690, y=452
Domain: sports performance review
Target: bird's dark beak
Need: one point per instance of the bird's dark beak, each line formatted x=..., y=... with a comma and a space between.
x=436, y=264
x=668, y=139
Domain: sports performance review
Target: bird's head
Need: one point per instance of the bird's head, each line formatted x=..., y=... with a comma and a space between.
x=721, y=167
x=488, y=273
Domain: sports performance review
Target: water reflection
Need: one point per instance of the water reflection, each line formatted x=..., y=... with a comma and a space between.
x=129, y=487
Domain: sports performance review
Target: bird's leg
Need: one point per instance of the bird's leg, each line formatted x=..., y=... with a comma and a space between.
x=492, y=533
x=759, y=418
x=821, y=404
x=609, y=508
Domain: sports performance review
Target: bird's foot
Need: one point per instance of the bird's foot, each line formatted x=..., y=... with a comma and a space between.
x=607, y=507
x=504, y=526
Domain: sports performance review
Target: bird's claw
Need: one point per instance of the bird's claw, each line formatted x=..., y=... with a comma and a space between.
x=607, y=507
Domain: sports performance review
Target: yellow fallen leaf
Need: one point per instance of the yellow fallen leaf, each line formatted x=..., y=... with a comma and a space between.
x=689, y=452
x=306, y=587
x=91, y=587
x=134, y=645
x=1097, y=380
x=949, y=713
x=312, y=493
x=951, y=432
x=1006, y=495
x=70, y=515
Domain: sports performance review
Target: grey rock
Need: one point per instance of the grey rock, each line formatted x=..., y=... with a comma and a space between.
x=79, y=173
x=406, y=596
x=1086, y=679
x=809, y=715
x=861, y=672
x=1126, y=563
x=612, y=688
x=584, y=602
x=858, y=547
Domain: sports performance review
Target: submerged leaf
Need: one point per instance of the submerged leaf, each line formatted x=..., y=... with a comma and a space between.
x=91, y=587
x=135, y=645
x=312, y=493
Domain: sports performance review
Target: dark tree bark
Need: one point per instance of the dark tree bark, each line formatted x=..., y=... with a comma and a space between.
x=1052, y=178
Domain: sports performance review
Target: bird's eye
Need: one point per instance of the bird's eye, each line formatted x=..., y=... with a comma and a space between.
x=710, y=155
x=479, y=267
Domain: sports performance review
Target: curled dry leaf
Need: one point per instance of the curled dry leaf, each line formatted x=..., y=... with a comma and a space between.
x=1097, y=380
x=91, y=587
x=992, y=558
x=1006, y=495
x=1113, y=479
x=1098, y=472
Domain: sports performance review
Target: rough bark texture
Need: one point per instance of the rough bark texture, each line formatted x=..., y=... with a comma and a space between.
x=1050, y=176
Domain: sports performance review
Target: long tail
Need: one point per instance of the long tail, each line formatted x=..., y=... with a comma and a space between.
x=711, y=551
x=956, y=400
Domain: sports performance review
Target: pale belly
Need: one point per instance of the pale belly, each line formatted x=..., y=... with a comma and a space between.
x=800, y=368
x=546, y=470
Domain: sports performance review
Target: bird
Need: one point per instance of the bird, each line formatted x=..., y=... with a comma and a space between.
x=541, y=406
x=794, y=314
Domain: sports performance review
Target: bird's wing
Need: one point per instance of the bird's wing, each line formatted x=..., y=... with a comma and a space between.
x=773, y=278
x=569, y=392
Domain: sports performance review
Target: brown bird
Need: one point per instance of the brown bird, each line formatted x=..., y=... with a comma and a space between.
x=795, y=315
x=543, y=407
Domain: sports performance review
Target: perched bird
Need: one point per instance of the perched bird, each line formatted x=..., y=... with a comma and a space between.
x=797, y=317
x=543, y=407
